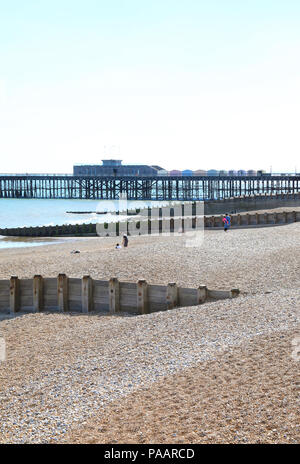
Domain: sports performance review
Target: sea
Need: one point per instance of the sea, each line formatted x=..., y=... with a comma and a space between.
x=45, y=212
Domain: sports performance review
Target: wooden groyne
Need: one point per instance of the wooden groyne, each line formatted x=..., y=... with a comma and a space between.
x=164, y=225
x=85, y=295
x=253, y=219
x=66, y=230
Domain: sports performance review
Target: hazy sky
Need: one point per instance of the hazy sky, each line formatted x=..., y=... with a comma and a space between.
x=183, y=84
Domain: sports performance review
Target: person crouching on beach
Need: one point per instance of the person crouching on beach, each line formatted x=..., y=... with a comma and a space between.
x=118, y=246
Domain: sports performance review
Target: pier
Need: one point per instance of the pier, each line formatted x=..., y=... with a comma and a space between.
x=143, y=188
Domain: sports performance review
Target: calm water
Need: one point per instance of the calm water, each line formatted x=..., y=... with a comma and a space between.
x=30, y=213
x=21, y=242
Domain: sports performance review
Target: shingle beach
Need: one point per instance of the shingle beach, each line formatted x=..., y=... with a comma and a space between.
x=219, y=372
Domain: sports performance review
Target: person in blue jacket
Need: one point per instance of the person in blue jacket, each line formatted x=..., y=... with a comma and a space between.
x=226, y=222
x=228, y=218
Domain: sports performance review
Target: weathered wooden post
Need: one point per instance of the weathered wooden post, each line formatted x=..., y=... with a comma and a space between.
x=114, y=295
x=266, y=218
x=201, y=294
x=239, y=219
x=257, y=218
x=38, y=293
x=62, y=292
x=172, y=295
x=86, y=294
x=142, y=296
x=218, y=221
x=14, y=296
x=234, y=292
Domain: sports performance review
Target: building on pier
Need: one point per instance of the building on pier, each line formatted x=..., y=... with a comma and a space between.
x=200, y=172
x=114, y=168
x=187, y=172
x=212, y=172
x=175, y=172
x=162, y=172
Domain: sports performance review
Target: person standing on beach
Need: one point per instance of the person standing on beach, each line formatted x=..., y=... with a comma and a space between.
x=226, y=222
x=125, y=241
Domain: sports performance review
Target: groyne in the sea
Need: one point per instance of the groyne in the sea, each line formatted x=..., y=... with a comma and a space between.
x=254, y=219
x=162, y=225
x=68, y=230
